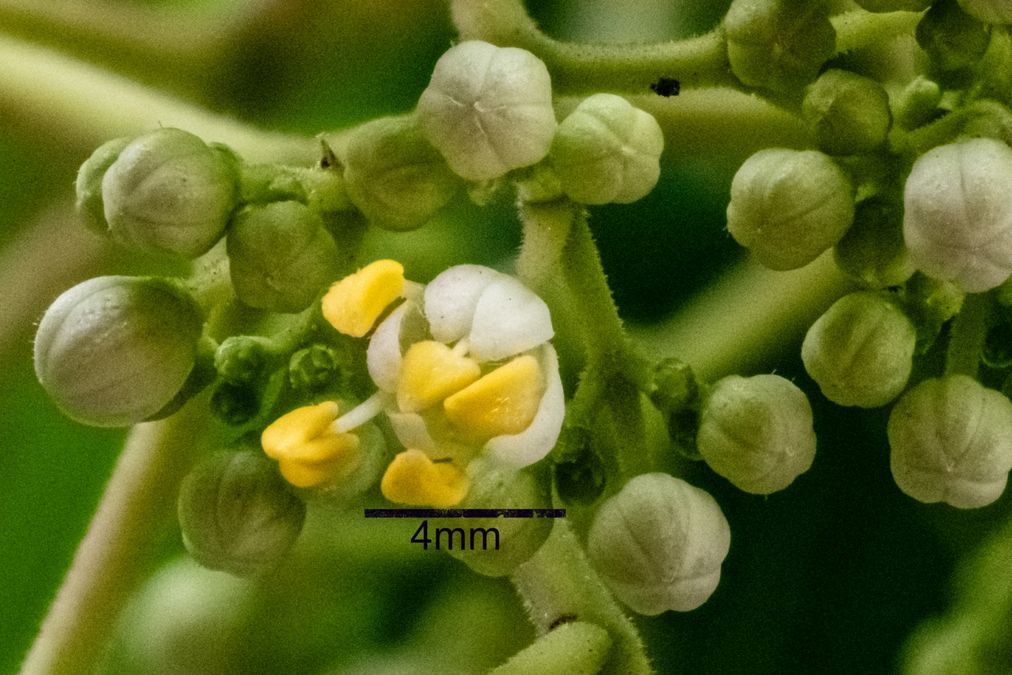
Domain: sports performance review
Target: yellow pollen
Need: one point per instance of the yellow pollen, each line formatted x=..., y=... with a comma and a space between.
x=297, y=427
x=353, y=304
x=309, y=452
x=414, y=479
x=502, y=402
x=430, y=372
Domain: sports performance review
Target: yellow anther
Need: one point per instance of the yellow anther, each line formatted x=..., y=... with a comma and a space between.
x=297, y=427
x=502, y=402
x=308, y=451
x=414, y=479
x=353, y=304
x=430, y=372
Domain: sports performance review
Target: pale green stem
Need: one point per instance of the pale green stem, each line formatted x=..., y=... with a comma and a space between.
x=577, y=647
x=122, y=542
x=558, y=584
x=72, y=107
x=967, y=336
x=746, y=319
x=861, y=30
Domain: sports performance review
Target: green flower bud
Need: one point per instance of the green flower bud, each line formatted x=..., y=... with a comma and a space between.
x=234, y=405
x=673, y=385
x=950, y=440
x=951, y=37
x=990, y=11
x=894, y=5
x=89, y=183
x=659, y=544
x=860, y=352
x=280, y=256
x=394, y=175
x=496, y=486
x=237, y=514
x=240, y=359
x=607, y=150
x=488, y=109
x=849, y=114
x=778, y=44
x=918, y=103
x=872, y=251
x=113, y=351
x=788, y=206
x=579, y=471
x=757, y=432
x=313, y=368
x=957, y=218
x=169, y=192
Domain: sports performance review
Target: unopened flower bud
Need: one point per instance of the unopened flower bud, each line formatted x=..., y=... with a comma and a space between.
x=237, y=514
x=313, y=368
x=488, y=109
x=607, y=150
x=757, y=432
x=89, y=183
x=169, y=192
x=872, y=251
x=917, y=103
x=848, y=113
x=860, y=352
x=659, y=544
x=951, y=37
x=894, y=5
x=950, y=440
x=778, y=44
x=957, y=219
x=788, y=206
x=514, y=540
x=394, y=175
x=241, y=358
x=113, y=351
x=280, y=256
x=990, y=11
x=233, y=404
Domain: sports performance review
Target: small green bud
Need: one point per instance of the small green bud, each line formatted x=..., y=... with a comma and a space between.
x=394, y=175
x=89, y=183
x=860, y=352
x=233, y=404
x=989, y=11
x=957, y=219
x=240, y=359
x=113, y=351
x=313, y=368
x=488, y=109
x=778, y=44
x=757, y=432
x=280, y=256
x=848, y=114
x=169, y=192
x=607, y=150
x=918, y=103
x=894, y=5
x=951, y=37
x=872, y=251
x=788, y=206
x=673, y=385
x=659, y=544
x=951, y=441
x=237, y=514
x=579, y=472
x=496, y=486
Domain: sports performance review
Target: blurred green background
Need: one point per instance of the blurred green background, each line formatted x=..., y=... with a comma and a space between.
x=830, y=576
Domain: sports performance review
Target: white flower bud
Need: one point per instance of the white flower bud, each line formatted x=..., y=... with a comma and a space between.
x=488, y=109
x=169, y=192
x=237, y=514
x=990, y=11
x=957, y=219
x=659, y=544
x=607, y=150
x=89, y=183
x=860, y=352
x=113, y=351
x=950, y=440
x=788, y=206
x=394, y=175
x=757, y=432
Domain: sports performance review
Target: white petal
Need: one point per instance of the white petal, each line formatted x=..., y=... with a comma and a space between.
x=451, y=297
x=411, y=431
x=537, y=440
x=508, y=319
x=383, y=358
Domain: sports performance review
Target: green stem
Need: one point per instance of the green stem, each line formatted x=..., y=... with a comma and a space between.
x=122, y=542
x=860, y=29
x=558, y=584
x=967, y=336
x=982, y=117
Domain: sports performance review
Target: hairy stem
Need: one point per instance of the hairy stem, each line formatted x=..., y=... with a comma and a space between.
x=120, y=545
x=967, y=337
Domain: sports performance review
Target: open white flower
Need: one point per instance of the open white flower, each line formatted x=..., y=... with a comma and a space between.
x=464, y=367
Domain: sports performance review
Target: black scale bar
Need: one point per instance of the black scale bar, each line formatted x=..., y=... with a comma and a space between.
x=465, y=513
